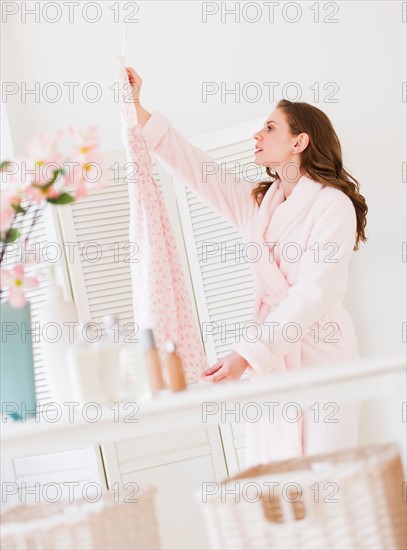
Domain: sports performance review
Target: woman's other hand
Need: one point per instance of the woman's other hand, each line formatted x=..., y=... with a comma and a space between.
x=231, y=367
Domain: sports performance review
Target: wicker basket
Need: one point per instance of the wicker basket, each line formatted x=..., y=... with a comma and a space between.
x=83, y=525
x=353, y=499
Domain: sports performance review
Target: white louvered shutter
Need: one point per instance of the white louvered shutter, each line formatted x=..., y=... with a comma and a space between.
x=223, y=283
x=104, y=286
x=97, y=227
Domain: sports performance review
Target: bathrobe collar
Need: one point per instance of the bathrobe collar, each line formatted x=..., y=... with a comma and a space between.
x=277, y=215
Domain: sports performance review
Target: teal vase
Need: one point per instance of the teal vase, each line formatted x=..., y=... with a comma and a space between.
x=17, y=366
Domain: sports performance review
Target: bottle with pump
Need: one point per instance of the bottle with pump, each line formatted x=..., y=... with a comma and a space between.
x=175, y=369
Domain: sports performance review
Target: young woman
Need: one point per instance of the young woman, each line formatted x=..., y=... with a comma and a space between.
x=304, y=223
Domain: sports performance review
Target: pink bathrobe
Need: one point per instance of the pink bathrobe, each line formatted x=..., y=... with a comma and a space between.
x=303, y=246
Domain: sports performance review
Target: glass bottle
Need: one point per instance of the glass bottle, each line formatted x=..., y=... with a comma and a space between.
x=83, y=369
x=133, y=371
x=108, y=351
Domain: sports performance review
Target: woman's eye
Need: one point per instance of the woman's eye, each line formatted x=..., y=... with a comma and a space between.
x=269, y=128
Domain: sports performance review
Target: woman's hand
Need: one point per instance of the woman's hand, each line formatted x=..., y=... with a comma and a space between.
x=135, y=83
x=230, y=367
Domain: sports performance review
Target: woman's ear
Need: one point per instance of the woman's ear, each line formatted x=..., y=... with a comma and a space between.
x=302, y=142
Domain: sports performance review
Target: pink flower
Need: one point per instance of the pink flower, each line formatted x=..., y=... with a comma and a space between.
x=43, y=149
x=17, y=281
x=81, y=191
x=11, y=195
x=7, y=212
x=43, y=158
x=85, y=140
x=11, y=174
x=87, y=174
x=39, y=193
x=6, y=215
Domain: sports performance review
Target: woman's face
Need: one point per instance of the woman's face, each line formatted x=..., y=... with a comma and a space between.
x=274, y=142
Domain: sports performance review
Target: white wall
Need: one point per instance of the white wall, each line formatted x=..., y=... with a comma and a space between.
x=6, y=146
x=175, y=52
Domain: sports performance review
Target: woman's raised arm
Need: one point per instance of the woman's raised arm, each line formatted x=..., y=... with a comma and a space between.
x=227, y=193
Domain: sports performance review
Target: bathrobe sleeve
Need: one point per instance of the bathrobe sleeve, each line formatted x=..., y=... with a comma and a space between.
x=227, y=194
x=316, y=284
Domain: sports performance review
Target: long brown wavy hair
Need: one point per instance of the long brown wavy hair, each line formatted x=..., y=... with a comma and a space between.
x=321, y=160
